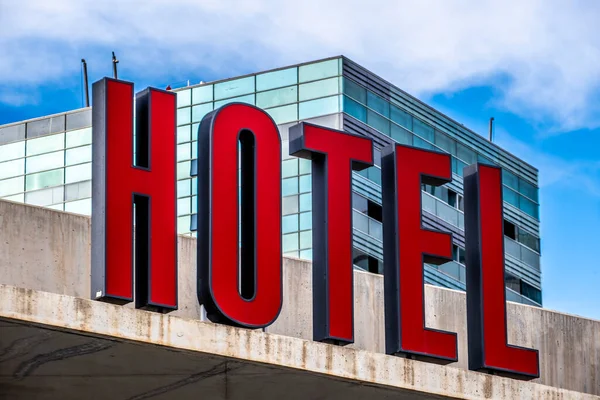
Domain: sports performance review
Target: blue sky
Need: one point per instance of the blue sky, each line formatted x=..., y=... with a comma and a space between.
x=532, y=65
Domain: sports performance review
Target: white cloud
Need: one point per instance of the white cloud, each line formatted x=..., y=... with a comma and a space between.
x=549, y=51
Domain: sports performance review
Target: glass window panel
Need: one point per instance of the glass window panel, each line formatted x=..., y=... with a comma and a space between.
x=306, y=254
x=447, y=213
x=79, y=137
x=183, y=170
x=359, y=203
x=445, y=142
x=375, y=229
x=355, y=109
x=202, y=94
x=248, y=99
x=184, y=206
x=291, y=254
x=12, y=168
x=199, y=111
x=184, y=133
x=289, y=223
x=305, y=166
x=194, y=204
x=378, y=122
x=183, y=224
x=529, y=240
x=289, y=186
x=375, y=175
x=275, y=79
x=184, y=151
x=314, y=108
x=378, y=104
x=46, y=179
x=12, y=151
x=484, y=160
x=305, y=221
x=528, y=190
x=290, y=205
x=510, y=180
x=313, y=72
x=183, y=188
x=83, y=207
x=77, y=155
x=17, y=197
x=184, y=115
x=289, y=168
x=458, y=166
x=45, y=144
x=355, y=91
x=78, y=173
x=400, y=117
x=529, y=207
x=360, y=221
x=510, y=197
x=195, y=150
x=290, y=242
x=284, y=114
x=195, y=128
x=401, y=135
x=45, y=162
x=466, y=154
x=423, y=130
x=80, y=190
x=305, y=183
x=418, y=142
x=306, y=240
x=234, y=88
x=306, y=202
x=194, y=186
x=326, y=87
x=277, y=97
x=184, y=98
x=428, y=203
x=11, y=186
x=45, y=197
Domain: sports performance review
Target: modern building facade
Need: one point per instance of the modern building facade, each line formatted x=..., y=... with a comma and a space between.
x=47, y=162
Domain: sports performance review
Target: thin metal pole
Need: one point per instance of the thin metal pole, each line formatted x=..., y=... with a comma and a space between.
x=491, y=128
x=115, y=62
x=85, y=83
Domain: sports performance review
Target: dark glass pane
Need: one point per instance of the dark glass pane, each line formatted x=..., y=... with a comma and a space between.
x=529, y=207
x=510, y=230
x=355, y=109
x=378, y=104
x=512, y=282
x=378, y=122
x=359, y=203
x=528, y=190
x=423, y=130
x=360, y=259
x=484, y=160
x=510, y=196
x=466, y=154
x=355, y=91
x=529, y=240
x=401, y=135
x=530, y=292
x=510, y=180
x=400, y=117
x=458, y=166
x=418, y=142
x=445, y=142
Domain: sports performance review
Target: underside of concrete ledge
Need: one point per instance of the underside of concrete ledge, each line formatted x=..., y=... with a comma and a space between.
x=57, y=346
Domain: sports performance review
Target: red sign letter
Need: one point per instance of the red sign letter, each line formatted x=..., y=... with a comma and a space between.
x=334, y=155
x=239, y=286
x=486, y=293
x=407, y=246
x=119, y=183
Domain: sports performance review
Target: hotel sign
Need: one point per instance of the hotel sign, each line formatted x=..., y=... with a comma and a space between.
x=239, y=201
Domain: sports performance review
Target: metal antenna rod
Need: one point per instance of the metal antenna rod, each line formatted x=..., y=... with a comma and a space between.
x=115, y=62
x=85, y=82
x=491, y=128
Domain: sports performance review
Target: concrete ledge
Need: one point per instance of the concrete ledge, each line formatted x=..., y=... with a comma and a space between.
x=99, y=318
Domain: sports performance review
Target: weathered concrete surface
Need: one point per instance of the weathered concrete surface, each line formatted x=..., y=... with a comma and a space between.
x=413, y=379
x=46, y=250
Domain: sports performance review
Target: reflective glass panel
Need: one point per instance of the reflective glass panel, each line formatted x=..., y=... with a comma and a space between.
x=12, y=151
x=45, y=197
x=45, y=144
x=79, y=137
x=290, y=205
x=77, y=155
x=529, y=207
x=289, y=186
x=184, y=115
x=305, y=239
x=202, y=94
x=11, y=186
x=184, y=188
x=510, y=180
x=234, y=88
x=306, y=202
x=284, y=114
x=314, y=108
x=305, y=166
x=355, y=91
x=184, y=98
x=277, y=97
x=401, y=135
x=289, y=168
x=305, y=183
x=184, y=151
x=79, y=190
x=83, y=207
x=378, y=104
x=305, y=221
x=199, y=111
x=378, y=122
x=355, y=109
x=289, y=223
x=445, y=142
x=183, y=170
x=528, y=190
x=9, y=169
x=183, y=206
x=46, y=179
x=78, y=173
x=400, y=117
x=326, y=87
x=510, y=197
x=466, y=154
x=248, y=99
x=275, y=79
x=290, y=242
x=184, y=133
x=424, y=130
x=324, y=69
